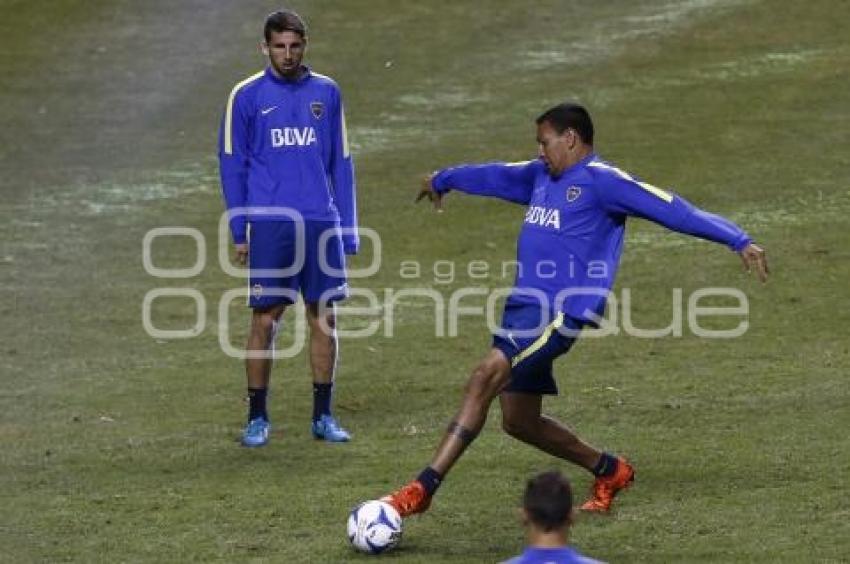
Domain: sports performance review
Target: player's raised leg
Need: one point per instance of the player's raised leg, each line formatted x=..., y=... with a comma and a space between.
x=258, y=366
x=323, y=361
x=522, y=418
x=482, y=387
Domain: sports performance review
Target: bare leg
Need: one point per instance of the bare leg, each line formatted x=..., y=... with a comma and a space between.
x=263, y=328
x=484, y=384
x=323, y=342
x=522, y=419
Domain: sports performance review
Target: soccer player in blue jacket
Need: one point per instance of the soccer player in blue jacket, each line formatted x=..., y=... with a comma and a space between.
x=288, y=183
x=568, y=252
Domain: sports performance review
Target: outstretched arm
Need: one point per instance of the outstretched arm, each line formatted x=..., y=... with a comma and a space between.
x=628, y=196
x=513, y=182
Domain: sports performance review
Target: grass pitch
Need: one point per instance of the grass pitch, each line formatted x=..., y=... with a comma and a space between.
x=117, y=446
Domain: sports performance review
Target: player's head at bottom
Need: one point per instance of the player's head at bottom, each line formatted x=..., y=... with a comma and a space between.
x=547, y=504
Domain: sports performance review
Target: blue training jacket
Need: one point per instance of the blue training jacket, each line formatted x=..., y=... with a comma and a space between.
x=284, y=144
x=570, y=243
x=562, y=555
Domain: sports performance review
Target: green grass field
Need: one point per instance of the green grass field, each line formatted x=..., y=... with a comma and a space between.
x=119, y=447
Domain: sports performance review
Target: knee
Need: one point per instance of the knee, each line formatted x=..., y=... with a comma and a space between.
x=326, y=323
x=328, y=315
x=264, y=325
x=517, y=427
x=322, y=319
x=486, y=381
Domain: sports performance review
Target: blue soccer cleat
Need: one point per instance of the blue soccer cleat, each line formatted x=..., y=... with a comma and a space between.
x=327, y=429
x=256, y=433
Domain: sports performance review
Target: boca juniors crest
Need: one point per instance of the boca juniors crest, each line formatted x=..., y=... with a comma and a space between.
x=257, y=291
x=317, y=109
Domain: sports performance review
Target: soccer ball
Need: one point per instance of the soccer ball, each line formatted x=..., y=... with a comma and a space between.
x=374, y=527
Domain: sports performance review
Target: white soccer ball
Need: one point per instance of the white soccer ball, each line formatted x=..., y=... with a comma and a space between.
x=374, y=527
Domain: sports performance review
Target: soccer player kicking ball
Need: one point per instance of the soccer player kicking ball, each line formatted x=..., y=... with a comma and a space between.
x=568, y=252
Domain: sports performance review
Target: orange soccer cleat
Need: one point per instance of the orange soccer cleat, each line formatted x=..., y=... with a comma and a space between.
x=410, y=499
x=606, y=487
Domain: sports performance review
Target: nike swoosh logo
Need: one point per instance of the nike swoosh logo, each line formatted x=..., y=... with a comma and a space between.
x=265, y=111
x=511, y=339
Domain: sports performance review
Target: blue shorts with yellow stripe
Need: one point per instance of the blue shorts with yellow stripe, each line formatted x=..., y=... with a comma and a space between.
x=532, y=338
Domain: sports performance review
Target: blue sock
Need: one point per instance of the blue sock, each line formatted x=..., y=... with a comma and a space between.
x=322, y=399
x=606, y=466
x=431, y=479
x=257, y=403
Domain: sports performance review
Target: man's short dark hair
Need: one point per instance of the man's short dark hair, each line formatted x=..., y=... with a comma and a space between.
x=569, y=116
x=548, y=500
x=284, y=20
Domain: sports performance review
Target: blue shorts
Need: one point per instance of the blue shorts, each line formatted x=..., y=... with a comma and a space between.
x=532, y=339
x=273, y=245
